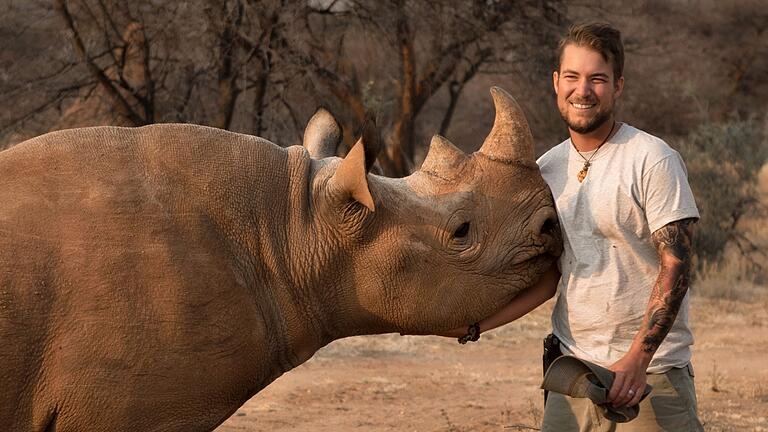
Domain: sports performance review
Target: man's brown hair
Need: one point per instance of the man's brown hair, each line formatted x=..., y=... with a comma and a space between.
x=600, y=37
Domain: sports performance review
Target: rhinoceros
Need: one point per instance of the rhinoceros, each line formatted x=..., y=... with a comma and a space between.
x=155, y=278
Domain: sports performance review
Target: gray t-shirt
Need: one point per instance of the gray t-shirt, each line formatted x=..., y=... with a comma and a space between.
x=636, y=184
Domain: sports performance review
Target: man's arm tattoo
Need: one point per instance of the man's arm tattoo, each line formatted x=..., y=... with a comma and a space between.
x=673, y=244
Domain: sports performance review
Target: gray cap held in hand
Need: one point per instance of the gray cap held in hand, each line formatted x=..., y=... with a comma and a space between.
x=578, y=378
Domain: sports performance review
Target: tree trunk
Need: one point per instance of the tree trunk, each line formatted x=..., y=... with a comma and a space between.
x=400, y=149
x=228, y=72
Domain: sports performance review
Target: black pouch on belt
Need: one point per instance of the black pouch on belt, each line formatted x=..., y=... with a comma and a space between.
x=551, y=352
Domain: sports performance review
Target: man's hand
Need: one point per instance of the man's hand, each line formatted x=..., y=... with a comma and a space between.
x=630, y=380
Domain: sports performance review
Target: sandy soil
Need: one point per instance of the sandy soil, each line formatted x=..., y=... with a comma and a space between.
x=390, y=382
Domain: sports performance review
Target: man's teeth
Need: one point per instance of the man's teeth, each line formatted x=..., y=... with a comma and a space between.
x=582, y=106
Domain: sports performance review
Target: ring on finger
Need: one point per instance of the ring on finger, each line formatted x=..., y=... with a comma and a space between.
x=631, y=392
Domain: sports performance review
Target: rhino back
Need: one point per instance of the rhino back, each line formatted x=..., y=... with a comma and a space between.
x=127, y=273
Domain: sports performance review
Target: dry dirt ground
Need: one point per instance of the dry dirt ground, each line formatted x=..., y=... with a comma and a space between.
x=394, y=383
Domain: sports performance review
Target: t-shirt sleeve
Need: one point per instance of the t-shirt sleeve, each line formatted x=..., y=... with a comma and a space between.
x=668, y=196
x=543, y=160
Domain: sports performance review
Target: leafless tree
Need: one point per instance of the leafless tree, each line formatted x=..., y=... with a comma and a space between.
x=241, y=64
x=145, y=62
x=393, y=56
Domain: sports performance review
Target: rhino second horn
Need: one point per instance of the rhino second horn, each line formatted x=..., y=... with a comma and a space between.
x=510, y=138
x=443, y=157
x=322, y=135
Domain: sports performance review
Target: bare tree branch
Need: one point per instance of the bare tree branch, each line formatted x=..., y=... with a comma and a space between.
x=121, y=103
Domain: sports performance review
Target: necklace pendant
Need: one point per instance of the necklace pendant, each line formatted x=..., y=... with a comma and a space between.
x=583, y=173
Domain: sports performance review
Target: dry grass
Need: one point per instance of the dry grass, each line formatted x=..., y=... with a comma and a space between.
x=733, y=279
x=714, y=378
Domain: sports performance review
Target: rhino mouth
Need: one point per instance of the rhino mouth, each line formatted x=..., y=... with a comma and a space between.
x=532, y=268
x=550, y=249
x=536, y=265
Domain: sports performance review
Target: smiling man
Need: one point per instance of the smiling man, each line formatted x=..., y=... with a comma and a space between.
x=626, y=213
x=626, y=210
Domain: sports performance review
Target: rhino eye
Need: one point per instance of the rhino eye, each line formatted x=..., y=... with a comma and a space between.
x=462, y=230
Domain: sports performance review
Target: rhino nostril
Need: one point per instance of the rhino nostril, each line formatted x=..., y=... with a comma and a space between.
x=549, y=227
x=547, y=224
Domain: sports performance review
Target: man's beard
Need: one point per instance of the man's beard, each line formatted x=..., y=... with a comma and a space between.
x=598, y=120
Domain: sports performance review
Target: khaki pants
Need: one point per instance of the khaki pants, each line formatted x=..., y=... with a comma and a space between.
x=671, y=406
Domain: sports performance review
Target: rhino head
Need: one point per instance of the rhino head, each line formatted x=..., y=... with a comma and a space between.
x=444, y=247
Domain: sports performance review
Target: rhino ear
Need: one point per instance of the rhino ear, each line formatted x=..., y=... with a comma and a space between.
x=351, y=177
x=322, y=135
x=370, y=136
x=443, y=157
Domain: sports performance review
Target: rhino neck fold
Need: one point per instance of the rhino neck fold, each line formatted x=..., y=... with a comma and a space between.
x=315, y=288
x=289, y=250
x=356, y=291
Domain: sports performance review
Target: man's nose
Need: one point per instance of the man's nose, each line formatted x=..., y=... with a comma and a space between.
x=583, y=88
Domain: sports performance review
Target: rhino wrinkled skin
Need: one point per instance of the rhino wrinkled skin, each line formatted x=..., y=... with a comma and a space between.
x=155, y=278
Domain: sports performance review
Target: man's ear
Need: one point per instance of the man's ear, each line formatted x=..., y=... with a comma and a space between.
x=555, y=77
x=619, y=87
x=351, y=177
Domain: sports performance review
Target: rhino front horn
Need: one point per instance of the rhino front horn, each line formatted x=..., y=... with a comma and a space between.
x=510, y=139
